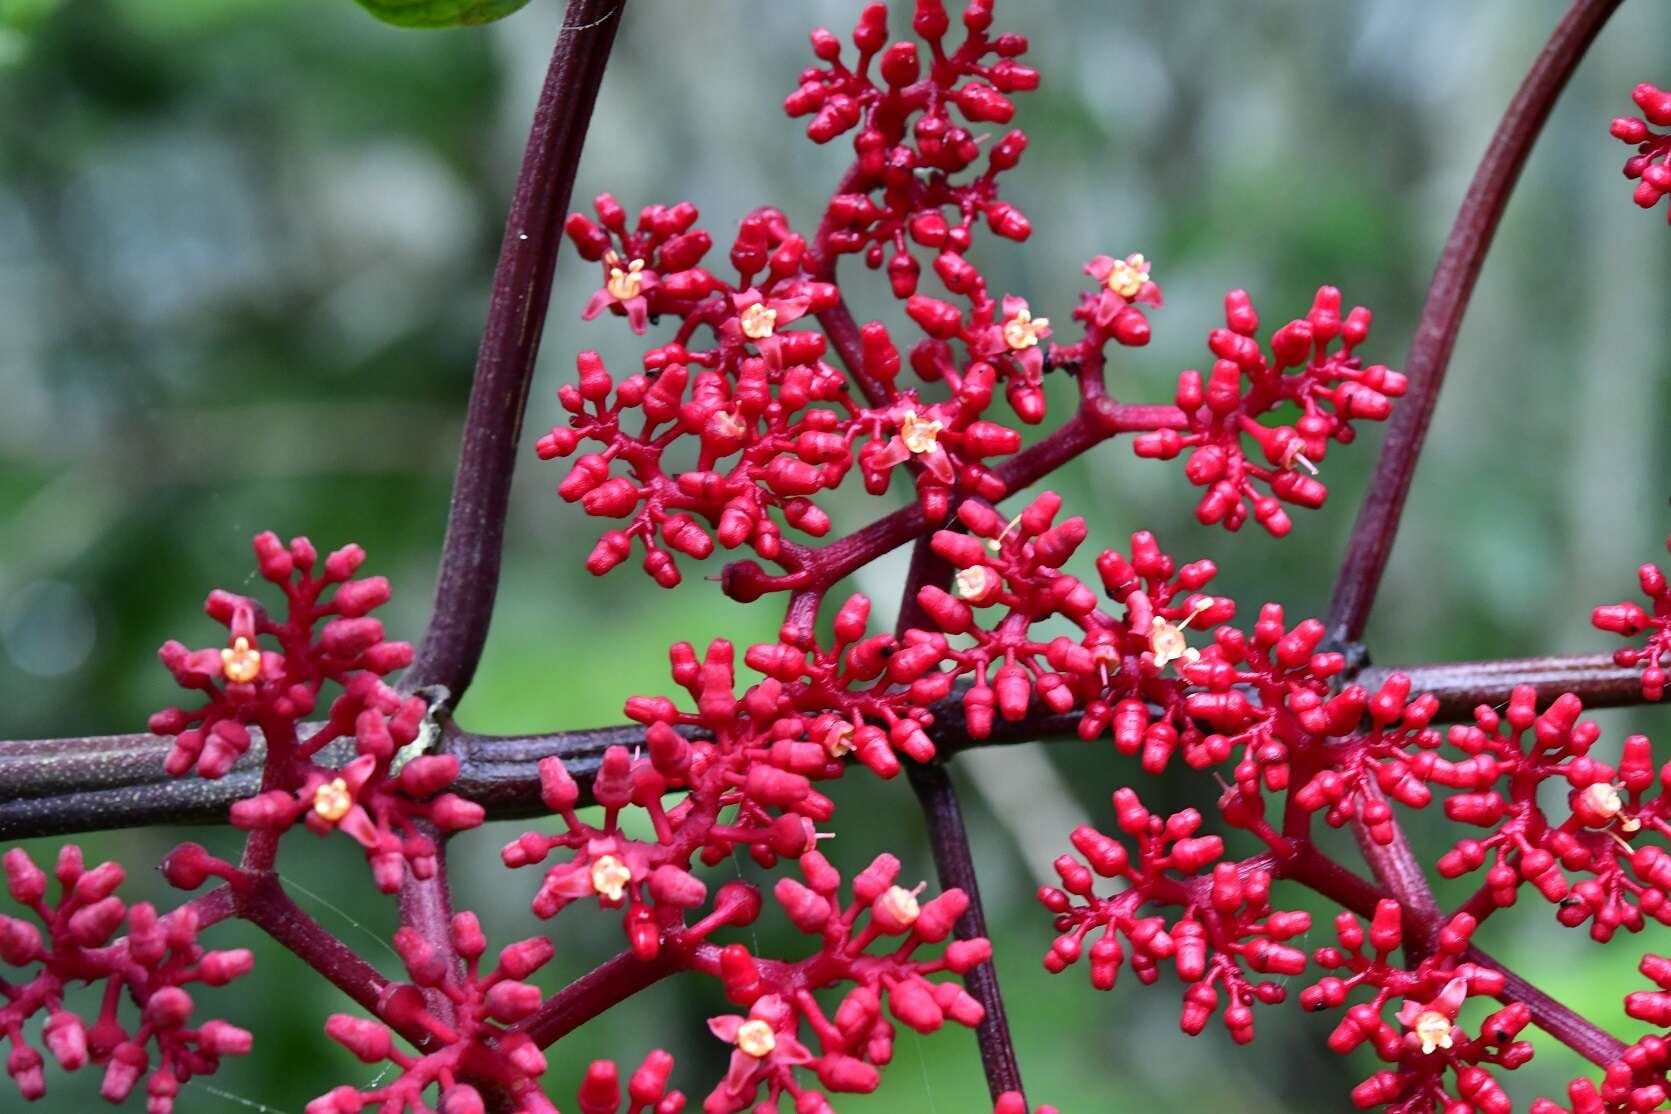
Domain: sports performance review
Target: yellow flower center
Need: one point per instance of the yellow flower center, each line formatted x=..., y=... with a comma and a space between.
x=756, y=1039
x=331, y=801
x=901, y=903
x=758, y=321
x=1022, y=331
x=919, y=436
x=1167, y=642
x=1604, y=800
x=1433, y=1029
x=610, y=877
x=729, y=425
x=972, y=583
x=838, y=741
x=627, y=282
x=1128, y=275
x=241, y=662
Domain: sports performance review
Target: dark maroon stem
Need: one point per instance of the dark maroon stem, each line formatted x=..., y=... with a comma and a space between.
x=1464, y=685
x=426, y=904
x=1447, y=301
x=470, y=558
x=954, y=861
x=602, y=988
x=100, y=782
x=1400, y=873
x=266, y=905
x=955, y=866
x=1578, y=1033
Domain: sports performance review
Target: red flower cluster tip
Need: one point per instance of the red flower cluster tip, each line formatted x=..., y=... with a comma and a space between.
x=75, y=944
x=378, y=796
x=1636, y=1082
x=1629, y=620
x=858, y=1038
x=1650, y=167
x=1227, y=930
x=1436, y=1063
x=1329, y=385
x=909, y=146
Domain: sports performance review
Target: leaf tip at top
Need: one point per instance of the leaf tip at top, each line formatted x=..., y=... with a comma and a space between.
x=440, y=13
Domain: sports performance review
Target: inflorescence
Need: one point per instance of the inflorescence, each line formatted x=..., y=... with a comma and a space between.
x=765, y=395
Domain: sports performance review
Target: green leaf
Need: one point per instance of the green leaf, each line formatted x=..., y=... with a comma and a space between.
x=440, y=13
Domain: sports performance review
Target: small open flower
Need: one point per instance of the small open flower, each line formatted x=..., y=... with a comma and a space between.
x=1127, y=277
x=1432, y=1029
x=610, y=877
x=332, y=800
x=628, y=285
x=1166, y=639
x=758, y=321
x=240, y=662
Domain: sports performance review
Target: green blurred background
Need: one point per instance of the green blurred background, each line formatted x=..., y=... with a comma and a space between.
x=245, y=250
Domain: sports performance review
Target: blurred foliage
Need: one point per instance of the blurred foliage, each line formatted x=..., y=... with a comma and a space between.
x=245, y=251
x=440, y=13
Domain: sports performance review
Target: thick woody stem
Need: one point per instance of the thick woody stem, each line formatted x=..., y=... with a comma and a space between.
x=99, y=782
x=1464, y=685
x=426, y=904
x=470, y=558
x=1398, y=870
x=264, y=904
x=1447, y=301
x=1569, y=1027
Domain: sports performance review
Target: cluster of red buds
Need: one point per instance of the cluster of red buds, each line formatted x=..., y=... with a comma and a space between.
x=747, y=782
x=774, y=424
x=909, y=147
x=1609, y=810
x=380, y=796
x=1636, y=1082
x=1264, y=700
x=764, y=398
x=1435, y=1063
x=1350, y=754
x=76, y=943
x=1650, y=167
x=1329, y=385
x=1227, y=927
x=473, y=1042
x=1629, y=620
x=858, y=1038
